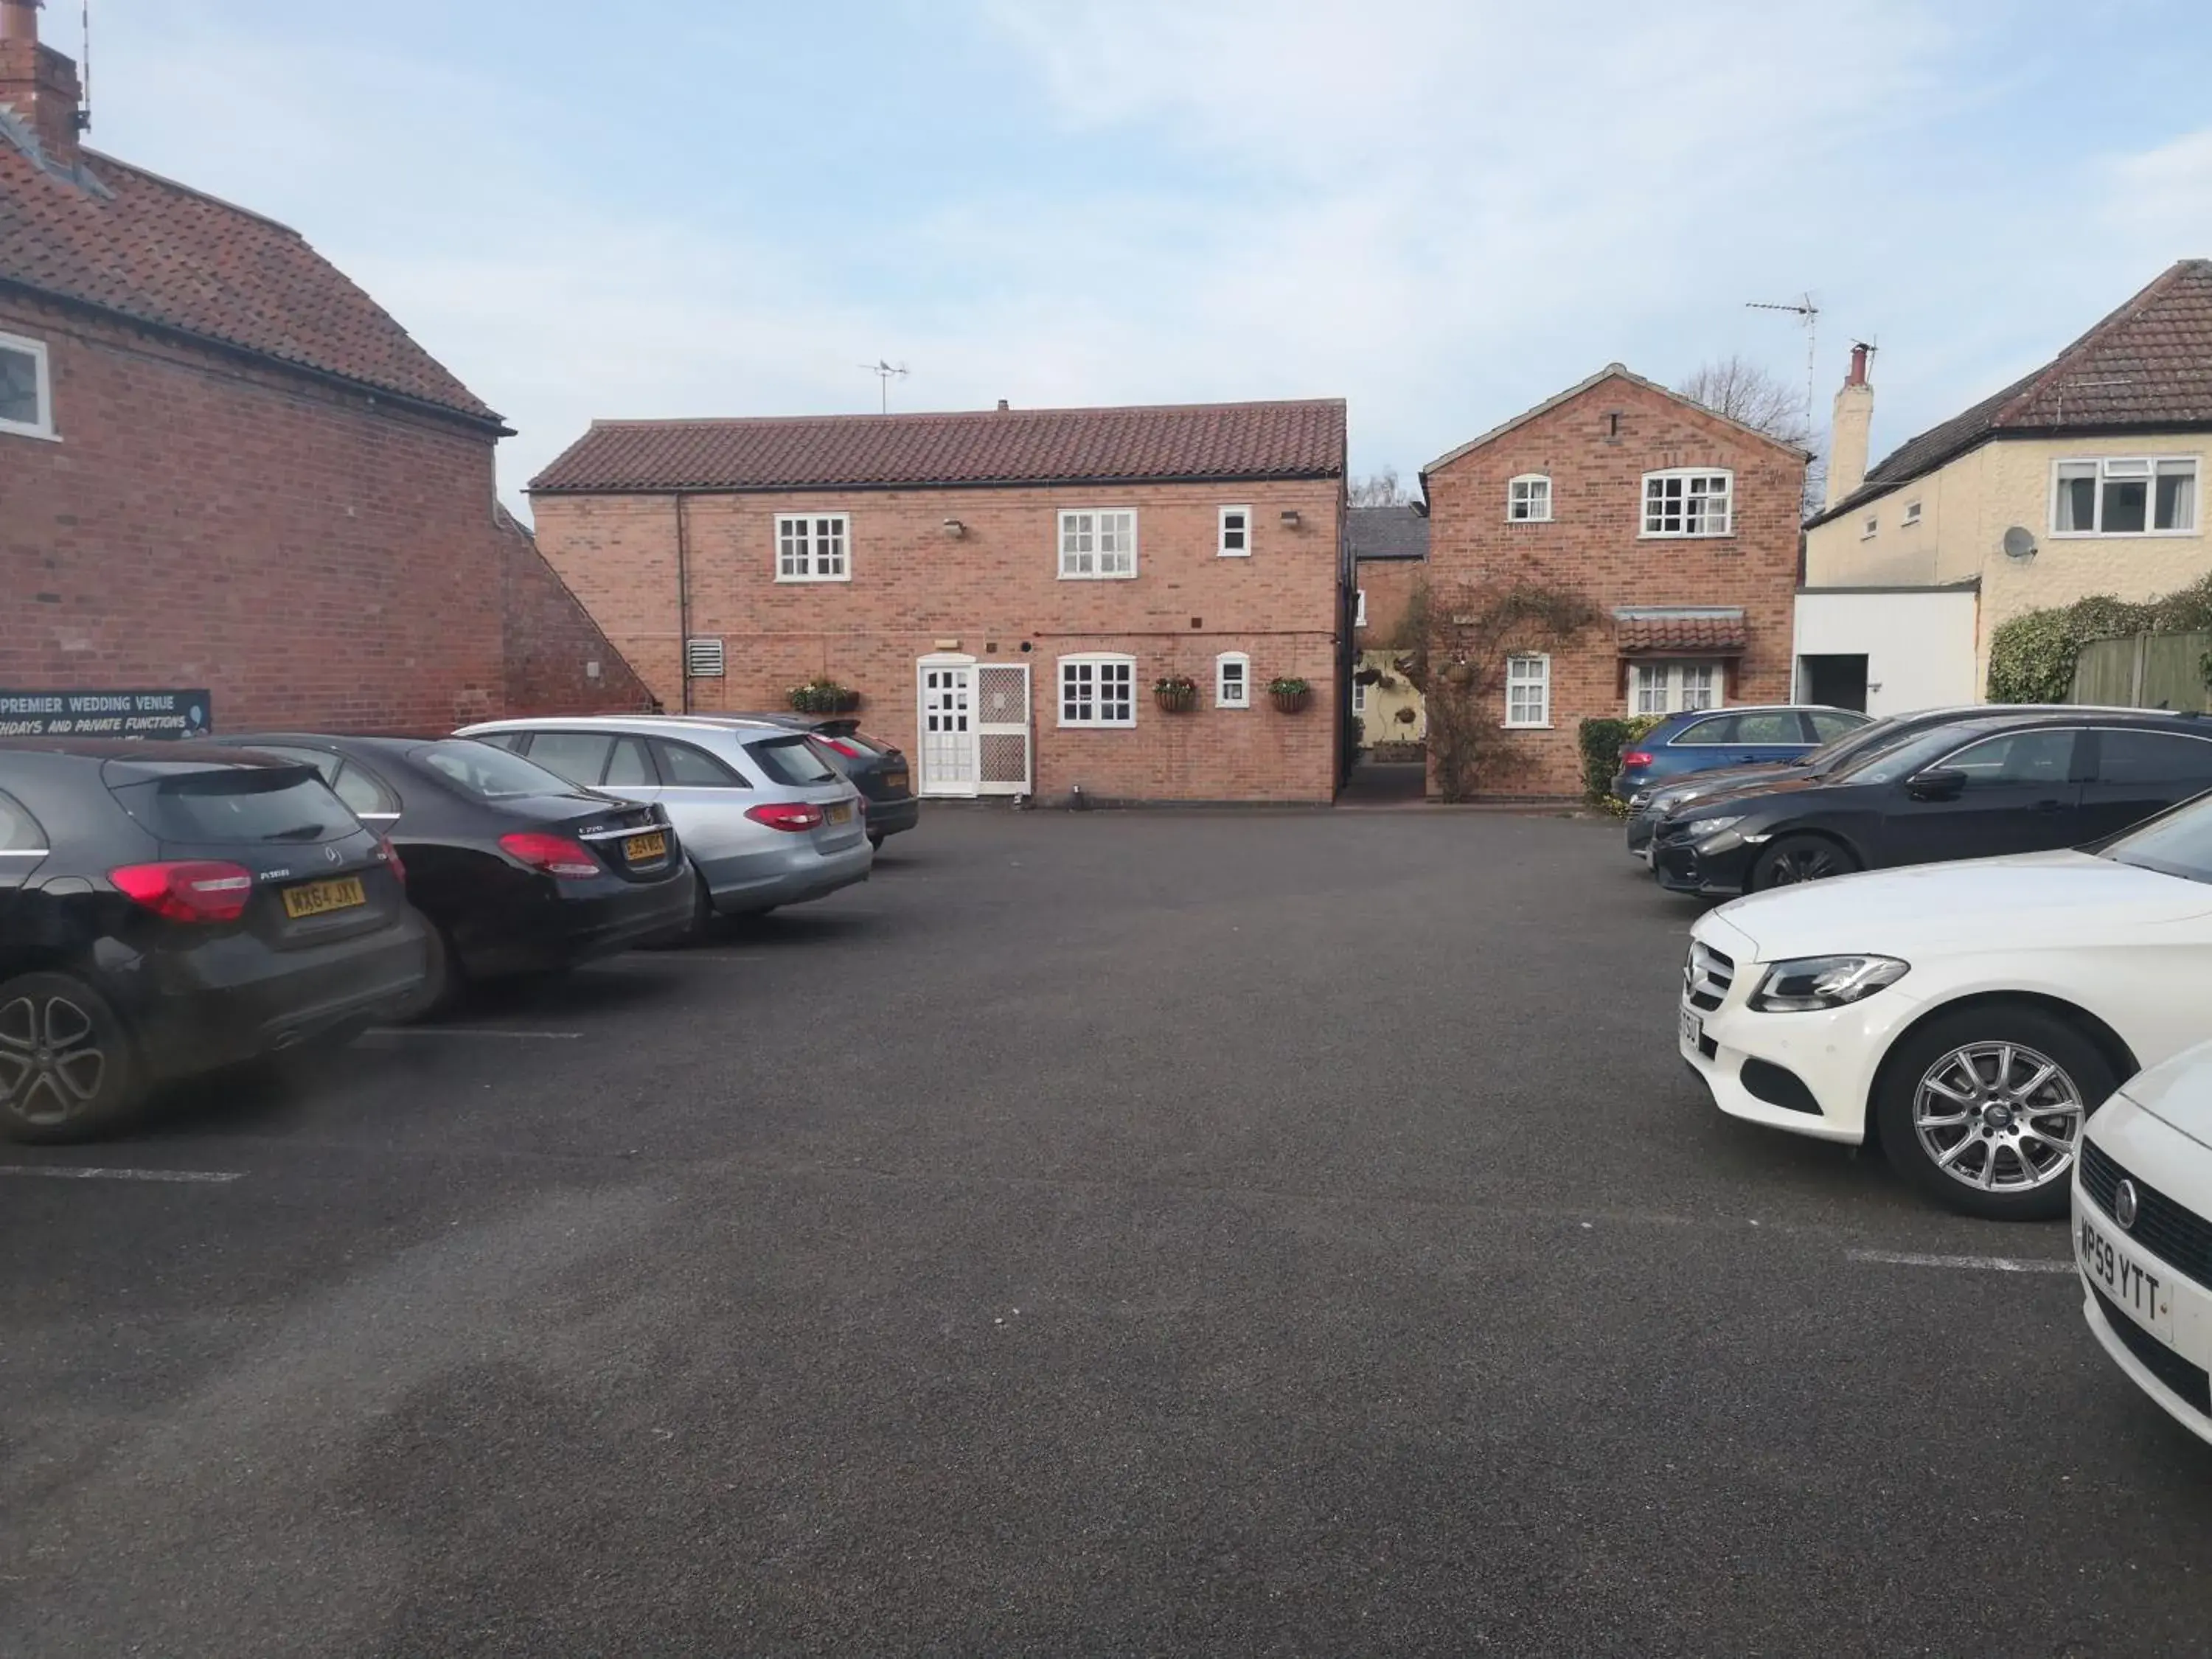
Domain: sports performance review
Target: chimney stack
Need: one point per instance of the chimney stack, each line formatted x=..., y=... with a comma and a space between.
x=1853, y=423
x=38, y=84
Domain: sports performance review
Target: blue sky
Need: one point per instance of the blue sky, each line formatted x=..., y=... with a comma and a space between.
x=1443, y=210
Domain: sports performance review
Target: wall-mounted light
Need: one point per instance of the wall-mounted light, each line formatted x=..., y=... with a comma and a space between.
x=1291, y=517
x=955, y=529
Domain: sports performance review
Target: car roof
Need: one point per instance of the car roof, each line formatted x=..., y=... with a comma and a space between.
x=647, y=723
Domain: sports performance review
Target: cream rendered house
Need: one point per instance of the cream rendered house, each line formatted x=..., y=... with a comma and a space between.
x=2086, y=477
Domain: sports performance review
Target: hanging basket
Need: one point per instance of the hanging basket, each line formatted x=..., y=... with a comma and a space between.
x=1176, y=696
x=1292, y=703
x=824, y=697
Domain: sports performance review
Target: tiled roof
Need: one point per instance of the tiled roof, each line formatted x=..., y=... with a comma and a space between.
x=1610, y=371
x=1647, y=632
x=135, y=244
x=2148, y=364
x=1189, y=441
x=1388, y=532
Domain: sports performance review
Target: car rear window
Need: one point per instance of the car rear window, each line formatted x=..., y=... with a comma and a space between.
x=792, y=760
x=685, y=766
x=579, y=757
x=241, y=803
x=2178, y=844
x=19, y=830
x=488, y=772
x=2153, y=757
x=1828, y=725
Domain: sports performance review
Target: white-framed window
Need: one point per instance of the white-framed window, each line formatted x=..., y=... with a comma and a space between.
x=1529, y=689
x=1528, y=499
x=1689, y=502
x=813, y=547
x=1675, y=688
x=1359, y=607
x=1099, y=544
x=1870, y=526
x=1232, y=680
x=1911, y=514
x=27, y=392
x=2125, y=496
x=1358, y=697
x=1235, y=539
x=1100, y=690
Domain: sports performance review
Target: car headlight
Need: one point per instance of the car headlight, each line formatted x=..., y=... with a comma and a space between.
x=1805, y=985
x=1641, y=799
x=1705, y=830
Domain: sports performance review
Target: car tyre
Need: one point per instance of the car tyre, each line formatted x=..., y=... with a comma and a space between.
x=1797, y=858
x=876, y=839
x=67, y=1071
x=1965, y=1112
x=445, y=982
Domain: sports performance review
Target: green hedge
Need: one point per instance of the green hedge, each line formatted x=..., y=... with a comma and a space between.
x=1603, y=739
x=2032, y=657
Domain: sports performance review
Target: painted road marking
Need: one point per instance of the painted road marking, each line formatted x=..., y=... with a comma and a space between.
x=67, y=1172
x=1988, y=1264
x=465, y=1031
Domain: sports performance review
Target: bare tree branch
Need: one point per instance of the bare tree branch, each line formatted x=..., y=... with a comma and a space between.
x=1378, y=490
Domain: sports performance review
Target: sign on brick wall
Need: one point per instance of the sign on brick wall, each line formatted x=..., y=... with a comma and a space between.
x=106, y=714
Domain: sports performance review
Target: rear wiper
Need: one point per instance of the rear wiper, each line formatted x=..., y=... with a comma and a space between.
x=298, y=832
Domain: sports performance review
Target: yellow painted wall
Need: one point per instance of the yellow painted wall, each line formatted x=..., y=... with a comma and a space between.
x=1380, y=724
x=1965, y=510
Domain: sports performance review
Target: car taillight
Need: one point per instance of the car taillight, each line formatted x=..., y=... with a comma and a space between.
x=795, y=816
x=1637, y=757
x=194, y=890
x=851, y=751
x=390, y=854
x=555, y=855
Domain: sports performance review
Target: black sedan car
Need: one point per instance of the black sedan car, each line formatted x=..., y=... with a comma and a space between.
x=878, y=769
x=2000, y=783
x=517, y=870
x=167, y=909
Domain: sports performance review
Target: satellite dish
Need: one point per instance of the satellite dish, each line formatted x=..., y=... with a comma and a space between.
x=2020, y=543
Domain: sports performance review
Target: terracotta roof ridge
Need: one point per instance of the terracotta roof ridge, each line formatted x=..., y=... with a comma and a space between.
x=2126, y=310
x=183, y=189
x=670, y=421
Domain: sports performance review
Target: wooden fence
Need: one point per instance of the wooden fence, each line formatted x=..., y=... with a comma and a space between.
x=2144, y=670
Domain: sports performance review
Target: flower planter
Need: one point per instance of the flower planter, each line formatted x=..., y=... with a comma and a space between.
x=1292, y=703
x=823, y=700
x=1175, y=699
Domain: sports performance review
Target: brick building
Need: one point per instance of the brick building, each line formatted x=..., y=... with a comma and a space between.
x=1678, y=526
x=1003, y=587
x=224, y=467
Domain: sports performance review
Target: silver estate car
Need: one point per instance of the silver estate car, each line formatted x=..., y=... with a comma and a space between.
x=766, y=820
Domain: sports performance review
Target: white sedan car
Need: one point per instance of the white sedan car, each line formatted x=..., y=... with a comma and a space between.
x=1970, y=1016
x=2143, y=1190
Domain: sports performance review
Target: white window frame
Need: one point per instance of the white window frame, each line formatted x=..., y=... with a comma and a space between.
x=1358, y=696
x=1095, y=660
x=1359, y=607
x=42, y=378
x=1095, y=574
x=1673, y=685
x=1222, y=533
x=2150, y=505
x=1518, y=676
x=1222, y=699
x=1911, y=516
x=1521, y=491
x=1687, y=475
x=1870, y=526
x=810, y=554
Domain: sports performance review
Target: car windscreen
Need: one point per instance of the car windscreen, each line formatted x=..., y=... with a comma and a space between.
x=792, y=760
x=241, y=803
x=490, y=773
x=1888, y=762
x=2176, y=844
x=1859, y=741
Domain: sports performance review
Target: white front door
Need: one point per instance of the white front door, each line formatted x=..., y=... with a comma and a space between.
x=948, y=728
x=1002, y=727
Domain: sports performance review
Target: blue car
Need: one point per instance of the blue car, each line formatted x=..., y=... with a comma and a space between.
x=1710, y=738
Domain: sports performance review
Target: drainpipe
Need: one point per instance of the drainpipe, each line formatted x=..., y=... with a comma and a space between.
x=683, y=602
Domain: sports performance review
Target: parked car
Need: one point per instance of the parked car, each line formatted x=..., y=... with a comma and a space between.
x=2143, y=1233
x=164, y=912
x=2000, y=783
x=765, y=820
x=1968, y=1017
x=1705, y=739
x=878, y=769
x=517, y=869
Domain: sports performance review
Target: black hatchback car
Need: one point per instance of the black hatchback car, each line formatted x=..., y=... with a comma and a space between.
x=164, y=912
x=518, y=869
x=878, y=769
x=1980, y=787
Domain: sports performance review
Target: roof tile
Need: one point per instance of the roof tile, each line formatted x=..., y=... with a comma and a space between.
x=1635, y=635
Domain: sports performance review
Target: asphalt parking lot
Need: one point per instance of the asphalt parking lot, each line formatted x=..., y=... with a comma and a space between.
x=1110, y=1233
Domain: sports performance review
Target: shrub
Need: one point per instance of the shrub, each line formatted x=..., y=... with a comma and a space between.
x=2032, y=657
x=1602, y=739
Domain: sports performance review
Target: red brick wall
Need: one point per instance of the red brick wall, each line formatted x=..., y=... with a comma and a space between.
x=1389, y=585
x=553, y=646
x=1594, y=545
x=993, y=590
x=313, y=557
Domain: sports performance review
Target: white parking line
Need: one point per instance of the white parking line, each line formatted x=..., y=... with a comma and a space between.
x=1988, y=1264
x=66, y=1172
x=465, y=1031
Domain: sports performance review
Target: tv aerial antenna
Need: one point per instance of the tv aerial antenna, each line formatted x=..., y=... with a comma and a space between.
x=1808, y=313
x=886, y=373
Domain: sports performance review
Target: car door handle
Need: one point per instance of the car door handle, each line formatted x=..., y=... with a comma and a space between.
x=2046, y=806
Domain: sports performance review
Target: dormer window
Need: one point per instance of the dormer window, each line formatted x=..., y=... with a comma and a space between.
x=1528, y=499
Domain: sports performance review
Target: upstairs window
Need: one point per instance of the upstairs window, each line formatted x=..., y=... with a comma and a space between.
x=1689, y=502
x=1232, y=680
x=1097, y=546
x=1911, y=514
x=26, y=402
x=2137, y=495
x=1236, y=533
x=1098, y=690
x=1869, y=525
x=1528, y=499
x=810, y=547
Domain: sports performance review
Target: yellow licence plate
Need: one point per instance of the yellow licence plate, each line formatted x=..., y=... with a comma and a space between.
x=319, y=897
x=895, y=779
x=646, y=849
x=841, y=812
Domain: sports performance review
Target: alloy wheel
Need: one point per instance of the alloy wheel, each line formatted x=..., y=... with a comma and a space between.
x=1999, y=1116
x=52, y=1060
x=1816, y=861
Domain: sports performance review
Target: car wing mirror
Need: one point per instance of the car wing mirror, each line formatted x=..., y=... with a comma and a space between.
x=1936, y=783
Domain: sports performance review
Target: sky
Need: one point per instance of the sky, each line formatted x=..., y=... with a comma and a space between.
x=1441, y=210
